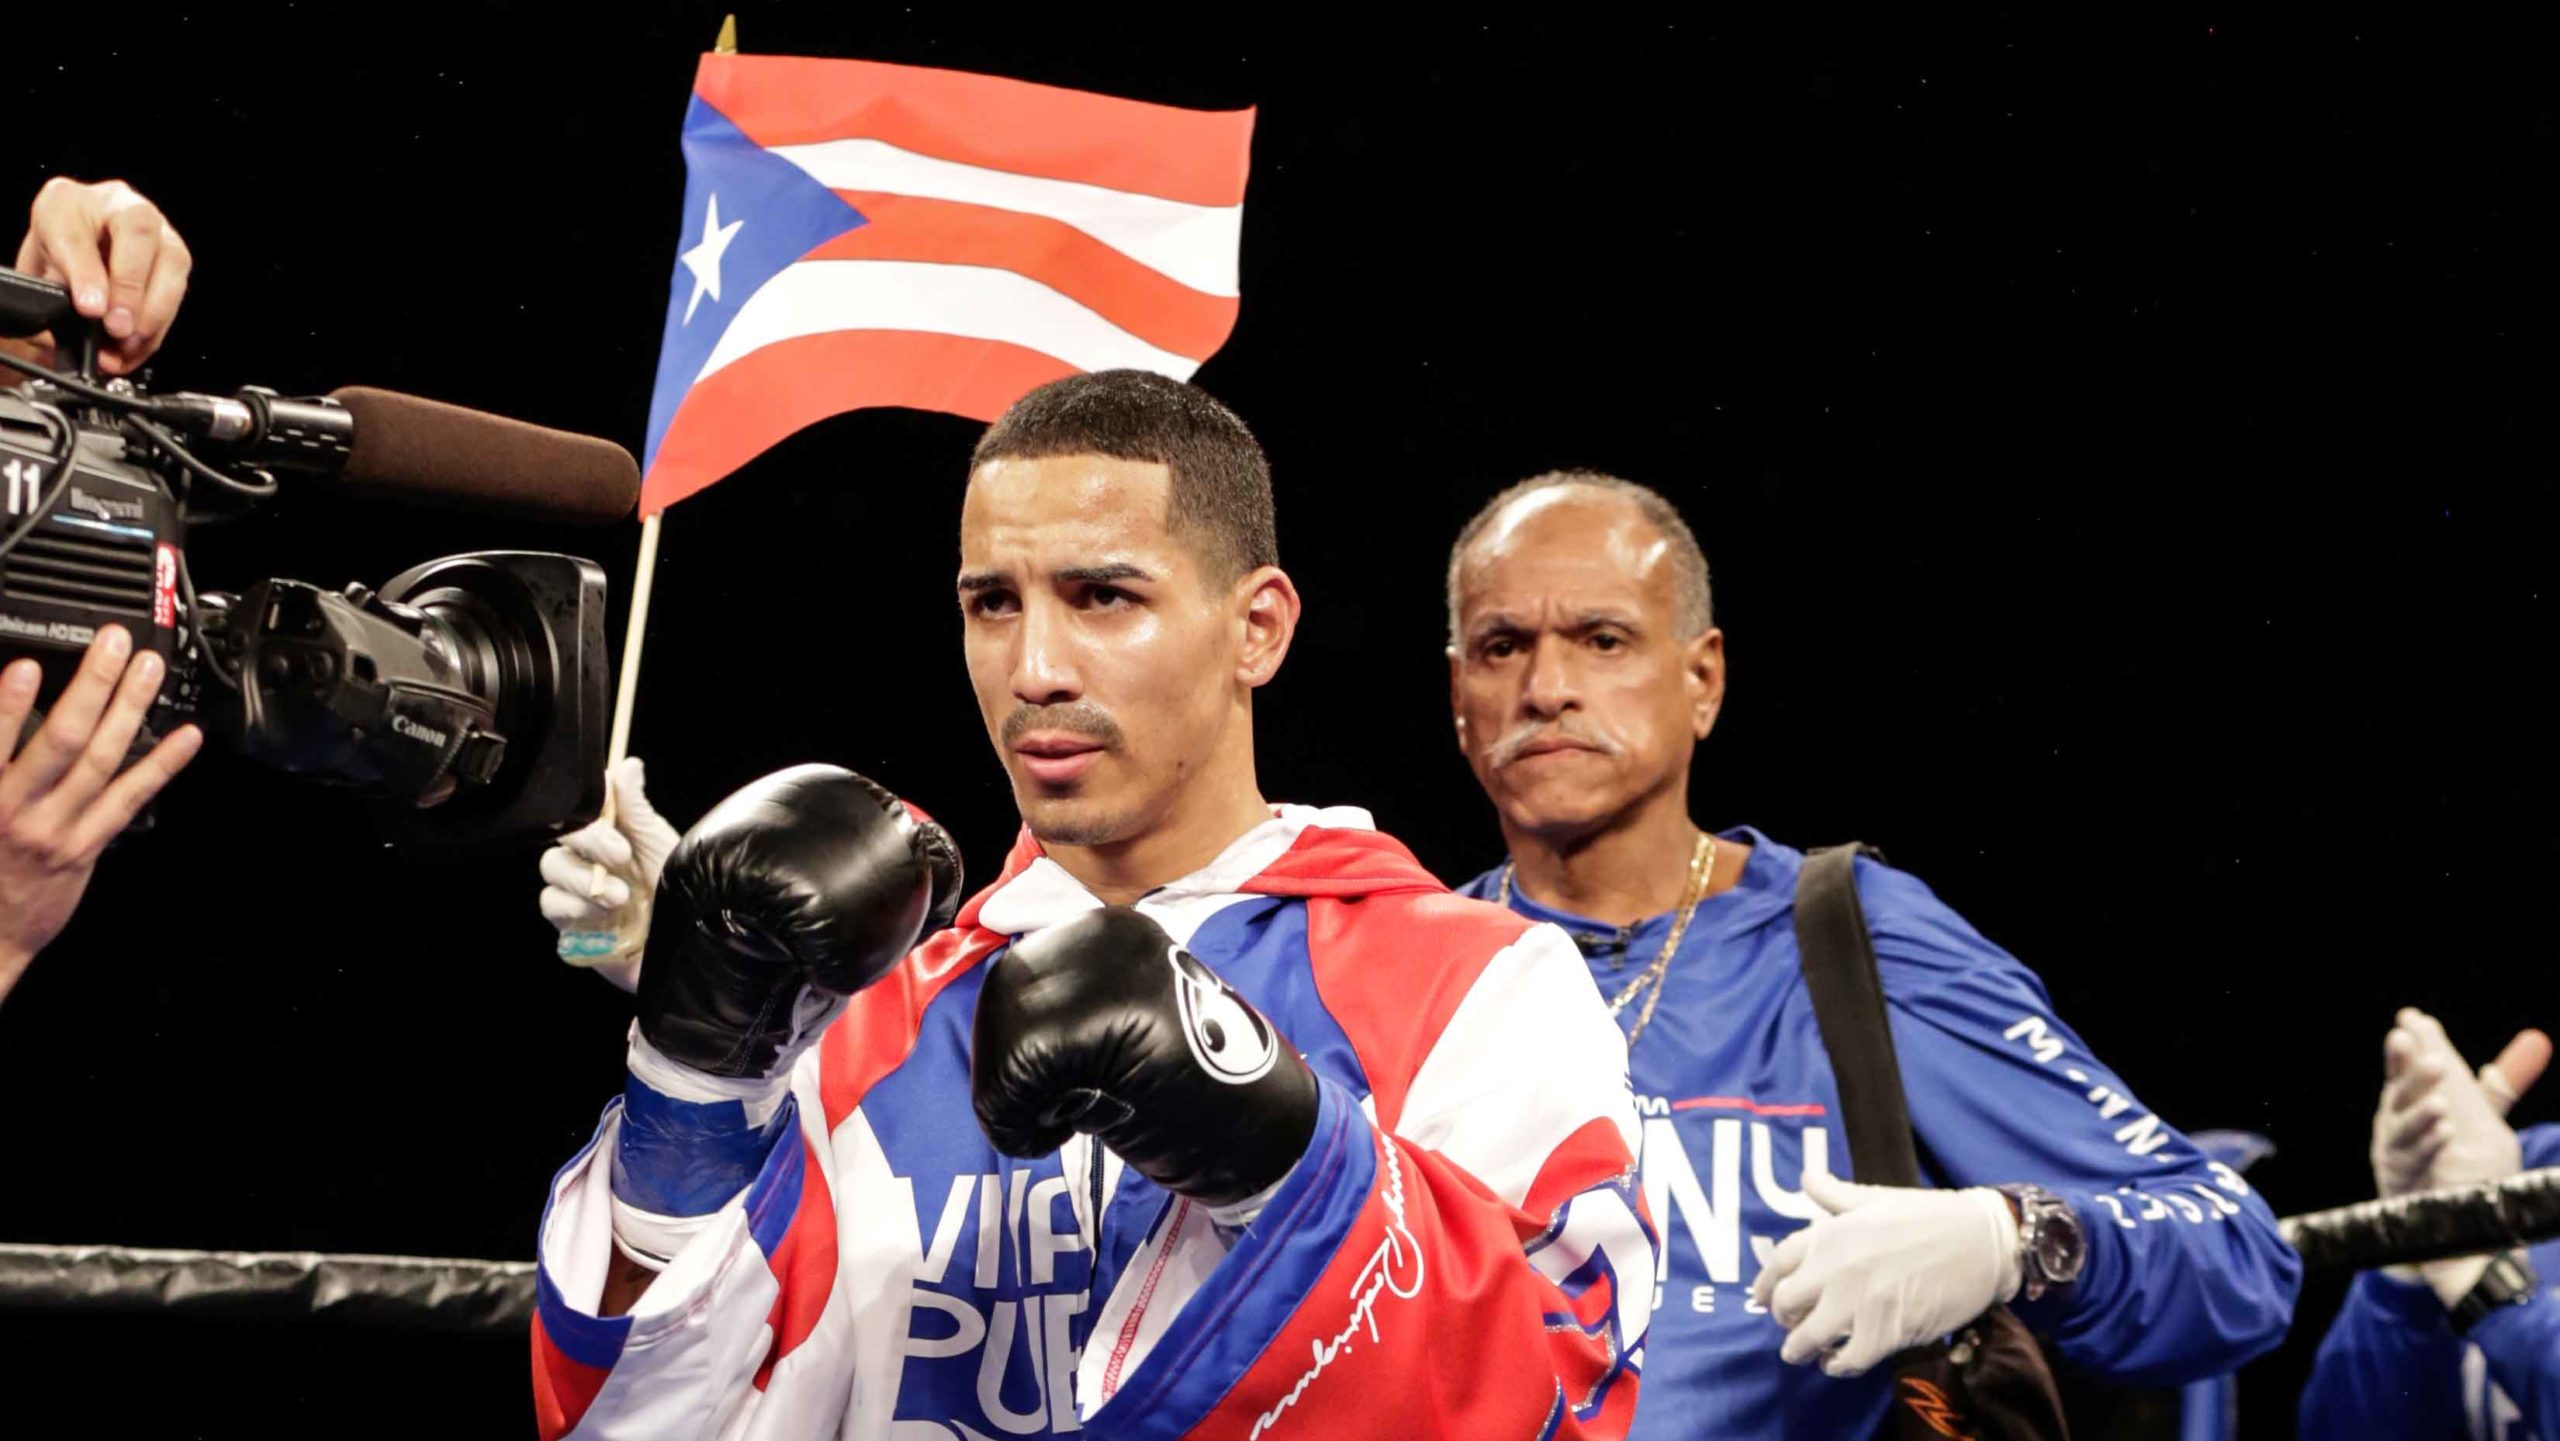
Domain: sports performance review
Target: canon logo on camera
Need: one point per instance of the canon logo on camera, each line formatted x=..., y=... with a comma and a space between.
x=416, y=732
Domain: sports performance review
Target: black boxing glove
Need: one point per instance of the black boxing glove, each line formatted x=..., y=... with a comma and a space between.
x=1104, y=1025
x=787, y=898
x=794, y=893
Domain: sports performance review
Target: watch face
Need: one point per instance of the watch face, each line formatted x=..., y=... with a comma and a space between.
x=2060, y=1249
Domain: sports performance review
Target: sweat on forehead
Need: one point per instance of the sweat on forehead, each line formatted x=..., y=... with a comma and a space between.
x=1519, y=513
x=1027, y=518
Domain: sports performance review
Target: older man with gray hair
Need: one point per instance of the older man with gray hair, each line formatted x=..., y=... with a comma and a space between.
x=1584, y=669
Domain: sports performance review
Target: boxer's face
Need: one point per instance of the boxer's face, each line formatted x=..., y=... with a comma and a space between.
x=1576, y=698
x=1097, y=643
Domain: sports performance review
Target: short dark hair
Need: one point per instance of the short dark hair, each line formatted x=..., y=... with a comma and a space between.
x=1221, y=479
x=1690, y=589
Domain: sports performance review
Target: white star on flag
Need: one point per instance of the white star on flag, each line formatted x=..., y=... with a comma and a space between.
x=704, y=259
x=930, y=240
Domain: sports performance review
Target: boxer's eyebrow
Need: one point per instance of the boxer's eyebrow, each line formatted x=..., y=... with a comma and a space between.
x=1101, y=574
x=978, y=580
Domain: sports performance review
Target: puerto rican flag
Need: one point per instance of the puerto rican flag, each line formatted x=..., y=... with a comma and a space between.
x=859, y=234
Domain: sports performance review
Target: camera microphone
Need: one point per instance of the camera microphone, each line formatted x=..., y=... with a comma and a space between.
x=409, y=447
x=380, y=443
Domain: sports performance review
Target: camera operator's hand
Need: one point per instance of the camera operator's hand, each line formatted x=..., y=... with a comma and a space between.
x=118, y=256
x=61, y=800
x=598, y=881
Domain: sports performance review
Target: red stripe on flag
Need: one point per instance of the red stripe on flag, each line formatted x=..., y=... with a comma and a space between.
x=1148, y=304
x=562, y=1389
x=741, y=409
x=1198, y=156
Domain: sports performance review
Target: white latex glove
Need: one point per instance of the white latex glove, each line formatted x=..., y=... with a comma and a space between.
x=599, y=880
x=2441, y=1124
x=1888, y=1268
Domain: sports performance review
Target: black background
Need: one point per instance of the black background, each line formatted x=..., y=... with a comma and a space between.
x=2125, y=454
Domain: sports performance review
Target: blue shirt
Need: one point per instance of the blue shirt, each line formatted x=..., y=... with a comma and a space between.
x=2391, y=1367
x=2185, y=1277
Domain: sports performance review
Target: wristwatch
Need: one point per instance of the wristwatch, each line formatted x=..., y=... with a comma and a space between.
x=2509, y=1281
x=2051, y=1246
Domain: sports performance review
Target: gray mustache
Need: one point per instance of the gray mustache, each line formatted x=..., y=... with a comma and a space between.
x=1082, y=718
x=1508, y=749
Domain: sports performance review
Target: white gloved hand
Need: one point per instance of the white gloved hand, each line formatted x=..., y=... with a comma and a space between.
x=599, y=880
x=1889, y=1268
x=2441, y=1124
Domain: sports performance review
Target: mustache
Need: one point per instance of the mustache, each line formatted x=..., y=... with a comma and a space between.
x=1082, y=718
x=1521, y=737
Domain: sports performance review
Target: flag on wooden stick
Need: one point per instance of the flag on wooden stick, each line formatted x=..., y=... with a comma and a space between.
x=859, y=234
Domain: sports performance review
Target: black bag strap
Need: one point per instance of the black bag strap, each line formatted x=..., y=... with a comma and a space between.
x=1839, y=960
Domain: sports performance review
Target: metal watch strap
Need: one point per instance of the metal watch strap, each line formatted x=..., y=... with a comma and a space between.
x=2509, y=1281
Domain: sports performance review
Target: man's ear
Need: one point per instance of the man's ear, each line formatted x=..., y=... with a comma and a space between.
x=1702, y=665
x=1457, y=712
x=1267, y=605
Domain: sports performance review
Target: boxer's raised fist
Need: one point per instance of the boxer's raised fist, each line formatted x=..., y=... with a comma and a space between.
x=1104, y=1025
x=791, y=895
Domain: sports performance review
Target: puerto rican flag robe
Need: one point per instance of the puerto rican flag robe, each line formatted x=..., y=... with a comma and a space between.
x=1461, y=1253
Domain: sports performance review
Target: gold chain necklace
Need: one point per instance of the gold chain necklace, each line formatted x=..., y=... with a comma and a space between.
x=1702, y=864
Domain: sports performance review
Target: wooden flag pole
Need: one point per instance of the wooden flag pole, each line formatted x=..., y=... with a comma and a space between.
x=643, y=579
x=631, y=925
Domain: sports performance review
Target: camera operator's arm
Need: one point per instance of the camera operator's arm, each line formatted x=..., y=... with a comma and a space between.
x=119, y=257
x=61, y=800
